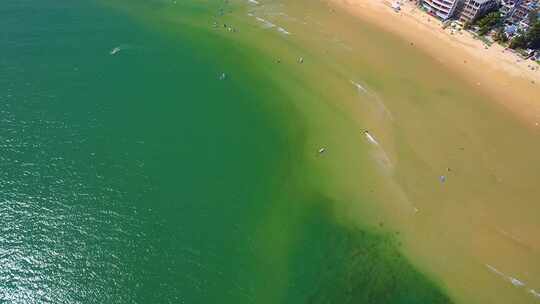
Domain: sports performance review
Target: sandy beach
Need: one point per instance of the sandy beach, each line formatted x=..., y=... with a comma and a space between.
x=513, y=82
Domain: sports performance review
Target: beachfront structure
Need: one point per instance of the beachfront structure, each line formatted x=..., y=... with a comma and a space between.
x=508, y=7
x=443, y=9
x=521, y=10
x=473, y=9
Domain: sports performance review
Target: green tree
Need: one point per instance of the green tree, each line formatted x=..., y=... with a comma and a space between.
x=518, y=42
x=488, y=22
x=500, y=36
x=533, y=36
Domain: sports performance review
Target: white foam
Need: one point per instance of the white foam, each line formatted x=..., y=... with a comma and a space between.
x=287, y=17
x=512, y=237
x=360, y=87
x=340, y=42
x=516, y=282
x=379, y=154
x=373, y=97
x=383, y=160
x=254, y=2
x=495, y=270
x=266, y=23
x=370, y=138
x=346, y=46
x=534, y=293
x=283, y=31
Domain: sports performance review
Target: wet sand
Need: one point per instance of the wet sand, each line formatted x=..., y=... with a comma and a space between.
x=496, y=71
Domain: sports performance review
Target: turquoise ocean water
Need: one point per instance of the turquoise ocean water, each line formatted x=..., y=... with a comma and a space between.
x=131, y=173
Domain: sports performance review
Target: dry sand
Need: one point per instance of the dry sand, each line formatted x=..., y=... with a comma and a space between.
x=496, y=71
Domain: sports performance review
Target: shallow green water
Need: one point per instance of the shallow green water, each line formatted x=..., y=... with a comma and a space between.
x=141, y=177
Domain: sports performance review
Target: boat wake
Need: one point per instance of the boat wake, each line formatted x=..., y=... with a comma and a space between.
x=379, y=154
x=266, y=23
x=514, y=281
x=361, y=88
x=262, y=10
x=283, y=31
x=370, y=138
x=381, y=107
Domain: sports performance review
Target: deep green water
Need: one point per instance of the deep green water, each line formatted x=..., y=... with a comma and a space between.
x=141, y=177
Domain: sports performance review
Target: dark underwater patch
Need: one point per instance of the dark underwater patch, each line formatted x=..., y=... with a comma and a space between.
x=357, y=266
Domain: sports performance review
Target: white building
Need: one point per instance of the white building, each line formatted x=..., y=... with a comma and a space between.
x=508, y=6
x=473, y=9
x=444, y=9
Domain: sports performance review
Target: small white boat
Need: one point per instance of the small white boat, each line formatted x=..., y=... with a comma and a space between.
x=370, y=138
x=322, y=150
x=115, y=50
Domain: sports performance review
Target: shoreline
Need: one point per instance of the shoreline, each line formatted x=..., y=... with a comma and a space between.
x=495, y=71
